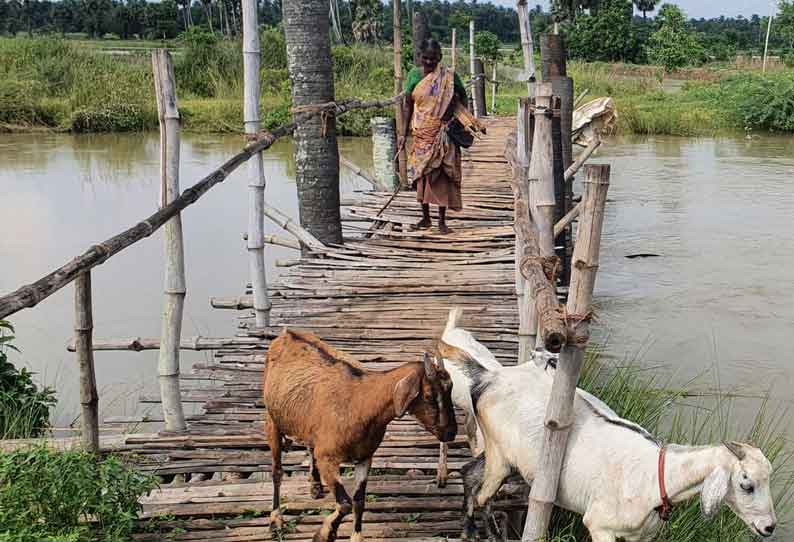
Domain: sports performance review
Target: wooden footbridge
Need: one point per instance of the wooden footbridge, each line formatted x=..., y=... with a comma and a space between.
x=383, y=297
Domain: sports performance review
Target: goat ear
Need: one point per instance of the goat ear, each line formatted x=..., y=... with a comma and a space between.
x=736, y=448
x=405, y=392
x=715, y=487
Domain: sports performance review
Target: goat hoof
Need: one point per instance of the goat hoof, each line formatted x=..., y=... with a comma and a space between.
x=319, y=537
x=356, y=537
x=317, y=491
x=470, y=533
x=441, y=482
x=276, y=521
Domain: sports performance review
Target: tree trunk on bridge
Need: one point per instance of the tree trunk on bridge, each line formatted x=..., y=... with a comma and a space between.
x=307, y=33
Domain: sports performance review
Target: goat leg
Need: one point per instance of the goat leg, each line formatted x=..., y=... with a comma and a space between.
x=316, y=490
x=472, y=473
x=274, y=439
x=359, y=497
x=329, y=473
x=443, y=473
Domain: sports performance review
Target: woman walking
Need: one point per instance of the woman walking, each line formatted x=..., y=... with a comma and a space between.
x=432, y=93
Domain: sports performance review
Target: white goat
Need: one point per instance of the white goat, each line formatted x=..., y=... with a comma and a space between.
x=610, y=471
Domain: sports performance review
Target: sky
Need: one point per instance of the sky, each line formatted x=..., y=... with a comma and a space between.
x=698, y=8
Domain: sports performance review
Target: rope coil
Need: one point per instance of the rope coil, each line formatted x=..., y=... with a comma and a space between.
x=551, y=265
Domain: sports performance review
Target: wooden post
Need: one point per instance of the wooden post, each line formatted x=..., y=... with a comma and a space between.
x=541, y=170
x=541, y=175
x=554, y=69
x=472, y=71
x=527, y=47
x=478, y=88
x=419, y=32
x=256, y=170
x=527, y=317
x=174, y=290
x=399, y=114
x=559, y=412
x=83, y=337
x=494, y=86
x=454, y=48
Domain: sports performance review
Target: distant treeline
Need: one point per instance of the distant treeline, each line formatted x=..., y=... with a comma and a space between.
x=355, y=20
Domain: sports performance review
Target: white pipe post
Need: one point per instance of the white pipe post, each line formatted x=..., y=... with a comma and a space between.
x=256, y=174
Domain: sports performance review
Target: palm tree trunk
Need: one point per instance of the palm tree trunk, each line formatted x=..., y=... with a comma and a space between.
x=307, y=32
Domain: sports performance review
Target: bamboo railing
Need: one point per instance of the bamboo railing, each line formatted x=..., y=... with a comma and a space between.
x=172, y=203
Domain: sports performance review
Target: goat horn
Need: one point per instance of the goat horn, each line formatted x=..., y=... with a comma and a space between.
x=736, y=449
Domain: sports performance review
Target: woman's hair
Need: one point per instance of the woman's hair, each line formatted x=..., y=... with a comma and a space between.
x=430, y=45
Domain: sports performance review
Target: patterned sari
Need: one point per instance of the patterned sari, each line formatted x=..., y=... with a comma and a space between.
x=434, y=163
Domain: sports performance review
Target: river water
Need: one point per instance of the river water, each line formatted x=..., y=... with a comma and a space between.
x=716, y=302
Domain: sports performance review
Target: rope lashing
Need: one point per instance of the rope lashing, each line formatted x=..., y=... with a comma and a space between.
x=551, y=265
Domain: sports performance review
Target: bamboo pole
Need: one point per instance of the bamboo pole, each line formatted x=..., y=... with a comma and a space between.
x=454, y=48
x=541, y=175
x=174, y=290
x=361, y=173
x=475, y=108
x=527, y=318
x=399, y=113
x=197, y=343
x=493, y=90
x=768, y=31
x=256, y=170
x=292, y=227
x=83, y=336
x=30, y=295
x=559, y=412
x=527, y=46
x=563, y=223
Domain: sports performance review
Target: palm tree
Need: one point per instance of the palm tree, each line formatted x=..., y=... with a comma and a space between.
x=645, y=6
x=307, y=32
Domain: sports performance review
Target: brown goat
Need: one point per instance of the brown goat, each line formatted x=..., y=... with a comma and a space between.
x=339, y=410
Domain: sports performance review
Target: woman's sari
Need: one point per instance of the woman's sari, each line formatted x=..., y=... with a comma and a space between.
x=434, y=162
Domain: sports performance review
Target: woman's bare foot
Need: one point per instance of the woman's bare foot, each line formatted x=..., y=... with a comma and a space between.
x=443, y=229
x=423, y=224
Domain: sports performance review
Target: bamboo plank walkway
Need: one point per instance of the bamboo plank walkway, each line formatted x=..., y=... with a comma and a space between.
x=382, y=299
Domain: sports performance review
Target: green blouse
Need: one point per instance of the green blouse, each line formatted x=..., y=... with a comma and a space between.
x=417, y=74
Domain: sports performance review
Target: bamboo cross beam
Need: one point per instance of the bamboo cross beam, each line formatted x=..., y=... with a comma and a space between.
x=30, y=295
x=198, y=343
x=559, y=412
x=361, y=173
x=289, y=225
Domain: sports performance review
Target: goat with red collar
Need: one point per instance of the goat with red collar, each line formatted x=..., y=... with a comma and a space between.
x=615, y=473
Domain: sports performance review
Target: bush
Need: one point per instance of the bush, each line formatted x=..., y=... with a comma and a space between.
x=24, y=407
x=274, y=49
x=673, y=45
x=49, y=495
x=609, y=35
x=209, y=67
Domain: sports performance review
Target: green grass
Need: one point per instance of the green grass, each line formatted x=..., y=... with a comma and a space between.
x=73, y=85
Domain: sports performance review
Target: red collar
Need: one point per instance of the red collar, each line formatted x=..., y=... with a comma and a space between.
x=665, y=510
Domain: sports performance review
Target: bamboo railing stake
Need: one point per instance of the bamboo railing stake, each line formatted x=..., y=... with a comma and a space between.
x=399, y=113
x=475, y=108
x=526, y=45
x=256, y=173
x=527, y=318
x=559, y=411
x=83, y=336
x=493, y=90
x=174, y=291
